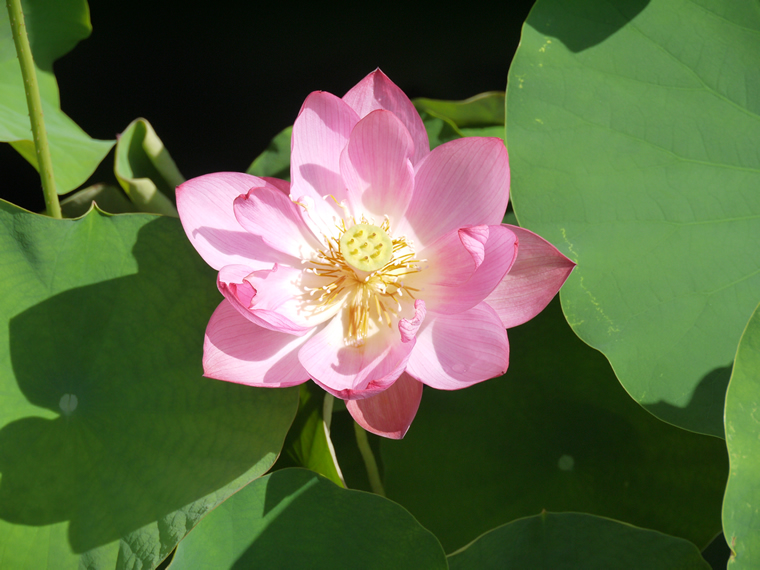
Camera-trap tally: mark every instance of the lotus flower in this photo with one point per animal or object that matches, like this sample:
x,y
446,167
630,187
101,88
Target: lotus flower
x,y
380,267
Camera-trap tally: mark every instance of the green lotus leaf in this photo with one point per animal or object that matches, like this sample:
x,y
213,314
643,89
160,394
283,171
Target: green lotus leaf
x,y
275,160
632,128
145,170
294,518
557,432
308,442
575,541
112,444
740,523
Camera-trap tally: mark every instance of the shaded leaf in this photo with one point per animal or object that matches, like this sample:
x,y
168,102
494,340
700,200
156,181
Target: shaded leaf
x,y
557,432
275,160
575,541
112,444
740,522
294,518
308,444
54,28
482,110
145,170
632,128
108,198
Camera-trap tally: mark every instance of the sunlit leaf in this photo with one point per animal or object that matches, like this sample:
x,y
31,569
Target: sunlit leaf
x,y
633,129
740,521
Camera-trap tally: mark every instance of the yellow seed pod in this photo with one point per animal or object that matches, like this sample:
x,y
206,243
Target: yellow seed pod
x,y
366,247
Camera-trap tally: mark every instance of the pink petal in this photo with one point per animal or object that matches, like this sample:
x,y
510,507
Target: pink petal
x,y
464,182
282,185
271,297
456,351
376,167
270,214
320,134
409,327
390,413
376,91
350,372
237,350
464,267
206,212
538,273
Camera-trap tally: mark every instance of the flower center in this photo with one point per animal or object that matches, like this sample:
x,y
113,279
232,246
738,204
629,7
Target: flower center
x,y
366,247
364,268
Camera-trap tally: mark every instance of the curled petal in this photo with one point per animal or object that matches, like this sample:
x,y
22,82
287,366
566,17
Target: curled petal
x,y
320,134
236,350
269,213
376,91
464,182
409,327
354,372
538,273
464,267
376,167
389,413
205,210
456,351
266,297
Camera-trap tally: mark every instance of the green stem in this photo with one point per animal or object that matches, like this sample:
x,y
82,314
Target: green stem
x,y
327,409
369,460
33,101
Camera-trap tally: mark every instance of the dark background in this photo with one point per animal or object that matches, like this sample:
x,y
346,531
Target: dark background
x,y
217,82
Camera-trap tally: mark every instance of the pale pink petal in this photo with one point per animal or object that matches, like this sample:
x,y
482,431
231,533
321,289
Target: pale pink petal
x,y
237,350
282,303
390,413
282,185
409,327
350,372
538,273
456,351
376,91
464,182
452,283
474,240
266,297
320,134
205,210
270,214
376,167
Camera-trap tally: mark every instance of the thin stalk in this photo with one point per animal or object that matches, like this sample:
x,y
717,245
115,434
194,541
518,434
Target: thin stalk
x,y
369,461
327,410
33,101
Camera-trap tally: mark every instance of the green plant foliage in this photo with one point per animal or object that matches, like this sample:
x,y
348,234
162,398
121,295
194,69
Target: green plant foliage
x,y
108,198
145,170
478,116
294,518
308,443
275,160
483,110
112,444
574,541
54,28
629,126
557,432
740,522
